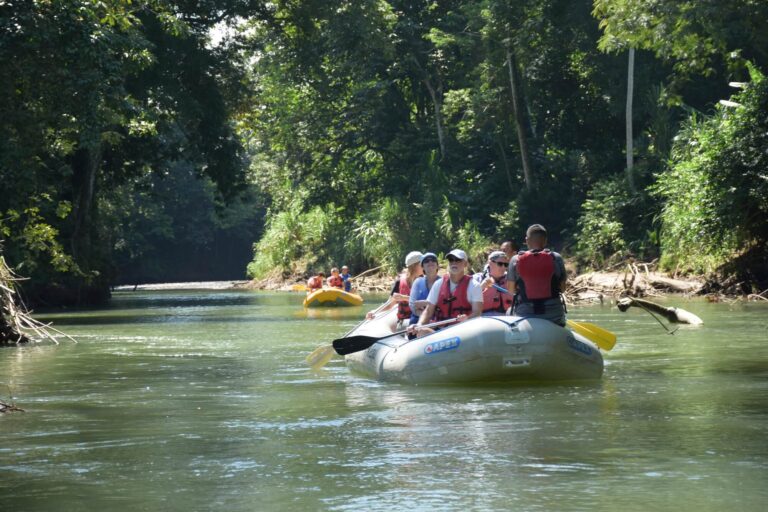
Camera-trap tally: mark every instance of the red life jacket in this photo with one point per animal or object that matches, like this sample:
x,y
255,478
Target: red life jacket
x,y
536,271
336,282
452,305
315,282
495,300
403,309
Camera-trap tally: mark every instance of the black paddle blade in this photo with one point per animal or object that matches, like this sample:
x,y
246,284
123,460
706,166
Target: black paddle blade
x,y
344,346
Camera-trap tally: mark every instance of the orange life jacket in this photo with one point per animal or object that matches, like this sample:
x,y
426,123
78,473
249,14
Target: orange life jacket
x,y
496,300
403,309
336,282
451,305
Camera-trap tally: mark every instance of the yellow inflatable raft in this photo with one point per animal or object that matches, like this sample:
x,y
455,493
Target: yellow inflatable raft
x,y
332,297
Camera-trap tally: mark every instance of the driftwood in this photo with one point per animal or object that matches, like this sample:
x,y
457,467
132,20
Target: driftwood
x,y
5,407
16,323
758,296
676,315
635,279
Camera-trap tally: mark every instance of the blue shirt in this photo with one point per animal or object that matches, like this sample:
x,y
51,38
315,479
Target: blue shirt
x,y
347,284
419,291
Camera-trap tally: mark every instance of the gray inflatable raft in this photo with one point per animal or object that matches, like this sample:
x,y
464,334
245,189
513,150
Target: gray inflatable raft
x,y
486,349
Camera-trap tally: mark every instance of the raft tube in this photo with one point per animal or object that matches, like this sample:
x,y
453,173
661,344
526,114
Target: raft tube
x,y
485,349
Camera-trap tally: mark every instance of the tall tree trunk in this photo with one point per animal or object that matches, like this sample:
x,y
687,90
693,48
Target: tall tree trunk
x,y
505,160
630,94
519,124
86,166
437,104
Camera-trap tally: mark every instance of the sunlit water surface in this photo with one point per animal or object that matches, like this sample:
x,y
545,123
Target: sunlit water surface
x,y
201,400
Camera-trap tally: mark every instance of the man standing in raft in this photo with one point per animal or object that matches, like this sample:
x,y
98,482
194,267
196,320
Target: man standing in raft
x,y
537,276
452,296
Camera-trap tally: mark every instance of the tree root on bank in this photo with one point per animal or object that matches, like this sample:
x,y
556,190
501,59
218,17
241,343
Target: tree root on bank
x,y
16,323
676,315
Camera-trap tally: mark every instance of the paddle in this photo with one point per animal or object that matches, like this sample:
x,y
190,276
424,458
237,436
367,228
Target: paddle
x,y
324,353
344,346
603,338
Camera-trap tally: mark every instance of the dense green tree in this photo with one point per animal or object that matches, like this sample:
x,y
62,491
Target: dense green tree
x,y
697,36
351,131
98,95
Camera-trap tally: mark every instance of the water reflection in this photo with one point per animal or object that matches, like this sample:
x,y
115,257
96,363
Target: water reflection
x,y
195,404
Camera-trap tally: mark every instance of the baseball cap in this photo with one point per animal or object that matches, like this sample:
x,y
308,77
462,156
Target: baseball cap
x,y
458,253
412,257
495,255
428,255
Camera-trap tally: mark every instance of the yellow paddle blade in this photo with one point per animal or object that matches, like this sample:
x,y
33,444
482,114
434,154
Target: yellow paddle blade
x,y
320,356
298,288
603,338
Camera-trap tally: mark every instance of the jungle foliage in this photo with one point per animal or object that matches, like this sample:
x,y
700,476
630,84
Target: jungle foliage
x,y
155,140
400,119
715,193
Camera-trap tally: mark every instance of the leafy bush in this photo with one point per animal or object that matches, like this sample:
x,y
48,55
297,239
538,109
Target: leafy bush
x,y
292,237
381,235
716,190
601,231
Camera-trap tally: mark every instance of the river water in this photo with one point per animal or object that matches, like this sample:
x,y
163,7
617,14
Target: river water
x,y
200,400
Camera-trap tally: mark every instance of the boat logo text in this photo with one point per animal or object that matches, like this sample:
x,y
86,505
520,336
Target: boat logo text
x,y
440,346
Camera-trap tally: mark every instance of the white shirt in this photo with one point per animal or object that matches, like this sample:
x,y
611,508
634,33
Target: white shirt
x,y
474,291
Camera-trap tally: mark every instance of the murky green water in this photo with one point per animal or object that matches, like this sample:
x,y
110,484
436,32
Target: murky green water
x,y
195,400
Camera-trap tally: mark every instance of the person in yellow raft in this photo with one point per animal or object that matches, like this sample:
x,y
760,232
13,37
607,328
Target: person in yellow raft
x,y
315,282
347,278
335,280
401,290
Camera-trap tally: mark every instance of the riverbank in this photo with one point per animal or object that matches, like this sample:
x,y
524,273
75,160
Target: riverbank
x,y
632,279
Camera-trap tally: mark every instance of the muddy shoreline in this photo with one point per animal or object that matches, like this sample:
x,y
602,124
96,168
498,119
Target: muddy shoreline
x,y
635,280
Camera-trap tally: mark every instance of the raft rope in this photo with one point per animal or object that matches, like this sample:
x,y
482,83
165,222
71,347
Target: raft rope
x,y
655,317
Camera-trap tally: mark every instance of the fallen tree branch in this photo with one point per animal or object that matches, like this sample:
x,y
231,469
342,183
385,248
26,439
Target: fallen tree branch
x,y
16,323
676,315
358,276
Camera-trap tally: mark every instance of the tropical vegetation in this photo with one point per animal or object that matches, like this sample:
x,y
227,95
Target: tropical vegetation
x,y
151,140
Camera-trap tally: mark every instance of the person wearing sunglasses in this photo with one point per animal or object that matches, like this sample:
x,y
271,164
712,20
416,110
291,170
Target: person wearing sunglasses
x,y
538,278
495,302
454,295
422,285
